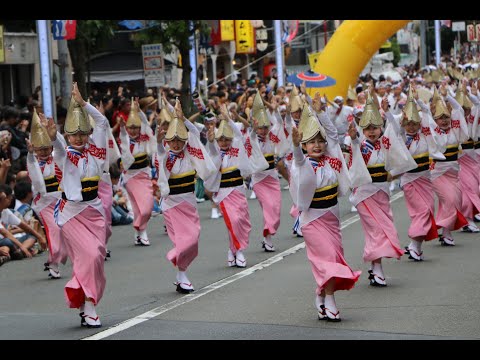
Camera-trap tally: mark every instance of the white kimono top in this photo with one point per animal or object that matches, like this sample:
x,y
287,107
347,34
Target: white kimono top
x,y
193,159
236,157
388,154
137,149
446,141
308,175
76,166
40,172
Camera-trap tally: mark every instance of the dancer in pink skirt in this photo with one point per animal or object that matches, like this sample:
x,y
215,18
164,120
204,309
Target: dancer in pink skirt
x,y
186,157
79,213
227,149
266,185
384,156
292,119
448,129
469,173
105,189
475,134
137,144
416,184
46,177
316,182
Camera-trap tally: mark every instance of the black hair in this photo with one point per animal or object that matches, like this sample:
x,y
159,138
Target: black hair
x,y
11,177
22,100
123,101
10,112
115,171
4,188
22,189
61,112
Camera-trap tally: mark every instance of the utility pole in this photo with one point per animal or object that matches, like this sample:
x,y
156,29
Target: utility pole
x,y
437,42
45,53
279,52
423,44
193,59
65,73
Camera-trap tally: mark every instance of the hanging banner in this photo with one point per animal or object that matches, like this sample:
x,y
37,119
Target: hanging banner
x,y
64,29
2,51
471,36
261,36
227,30
244,37
289,29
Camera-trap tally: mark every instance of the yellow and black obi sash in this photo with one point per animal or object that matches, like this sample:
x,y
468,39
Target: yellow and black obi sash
x,y
51,183
182,183
451,154
423,163
271,161
231,177
477,144
325,197
378,173
89,188
141,161
469,144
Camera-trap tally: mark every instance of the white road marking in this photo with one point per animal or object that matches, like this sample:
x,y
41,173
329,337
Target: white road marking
x,y
212,287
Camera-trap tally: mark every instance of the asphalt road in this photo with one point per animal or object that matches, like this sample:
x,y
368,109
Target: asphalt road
x,y
273,298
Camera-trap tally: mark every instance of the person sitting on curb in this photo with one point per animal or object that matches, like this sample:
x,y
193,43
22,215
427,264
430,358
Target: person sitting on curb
x,y
19,248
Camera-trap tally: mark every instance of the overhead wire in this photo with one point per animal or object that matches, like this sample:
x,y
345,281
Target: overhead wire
x,y
267,54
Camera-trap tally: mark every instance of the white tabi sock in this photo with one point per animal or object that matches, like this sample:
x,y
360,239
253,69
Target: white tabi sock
x,y
378,270
268,240
416,245
447,233
330,303
90,309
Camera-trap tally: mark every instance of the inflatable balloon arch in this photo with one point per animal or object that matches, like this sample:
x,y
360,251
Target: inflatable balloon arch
x,y
350,49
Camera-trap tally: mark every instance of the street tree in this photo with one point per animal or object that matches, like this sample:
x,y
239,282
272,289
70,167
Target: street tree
x,y
176,33
91,36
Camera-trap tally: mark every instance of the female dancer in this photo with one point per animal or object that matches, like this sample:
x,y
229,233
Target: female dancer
x,y
233,165
79,213
266,185
448,129
137,143
416,184
46,177
316,182
383,157
186,157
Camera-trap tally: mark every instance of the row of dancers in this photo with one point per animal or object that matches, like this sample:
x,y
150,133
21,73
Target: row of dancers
x,y
74,192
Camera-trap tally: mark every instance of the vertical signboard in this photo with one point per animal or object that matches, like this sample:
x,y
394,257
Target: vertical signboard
x,y
227,30
244,37
153,65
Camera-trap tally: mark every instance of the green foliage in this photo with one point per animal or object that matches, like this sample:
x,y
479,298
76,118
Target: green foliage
x,y
90,36
95,33
175,33
168,33
395,50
